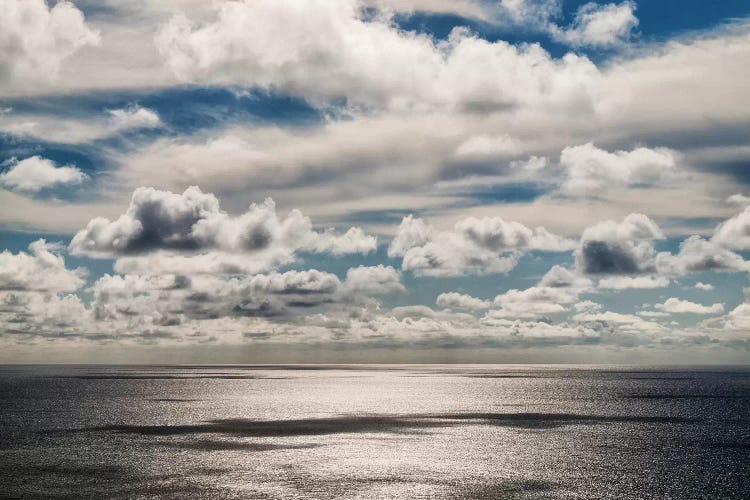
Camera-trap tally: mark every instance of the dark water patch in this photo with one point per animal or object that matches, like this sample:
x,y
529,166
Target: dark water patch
x,y
509,489
378,424
283,428
176,400
219,445
688,396
554,420
69,481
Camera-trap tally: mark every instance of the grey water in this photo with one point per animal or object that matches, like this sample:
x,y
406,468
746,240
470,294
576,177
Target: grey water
x,y
420,431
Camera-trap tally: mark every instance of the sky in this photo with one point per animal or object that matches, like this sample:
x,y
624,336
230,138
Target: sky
x,y
251,181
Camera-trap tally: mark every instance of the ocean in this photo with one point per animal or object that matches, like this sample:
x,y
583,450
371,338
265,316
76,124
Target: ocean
x,y
392,431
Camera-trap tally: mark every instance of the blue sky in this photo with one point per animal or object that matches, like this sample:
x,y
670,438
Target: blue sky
x,y
502,175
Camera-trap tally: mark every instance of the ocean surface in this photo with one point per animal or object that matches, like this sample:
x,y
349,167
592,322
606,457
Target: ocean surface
x,y
424,431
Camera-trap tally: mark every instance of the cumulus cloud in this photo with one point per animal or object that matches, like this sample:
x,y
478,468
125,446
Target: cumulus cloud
x,y
624,322
678,306
737,320
591,171
453,300
42,270
698,254
597,25
178,298
324,51
532,302
560,277
704,286
192,224
374,280
35,39
36,173
134,117
739,199
735,232
619,248
474,246
629,282
555,292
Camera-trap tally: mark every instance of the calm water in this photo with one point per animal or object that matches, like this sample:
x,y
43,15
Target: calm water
x,y
374,432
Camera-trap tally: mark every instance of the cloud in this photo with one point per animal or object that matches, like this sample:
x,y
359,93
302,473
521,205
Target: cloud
x,y
474,246
739,199
624,322
35,40
192,224
587,306
558,288
41,270
677,306
560,277
630,282
704,286
374,280
204,297
592,171
453,300
485,146
324,51
533,302
172,300
619,248
597,25
734,233
36,173
737,320
133,118
698,254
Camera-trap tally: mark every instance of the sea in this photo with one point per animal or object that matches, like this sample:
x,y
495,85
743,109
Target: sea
x,y
383,431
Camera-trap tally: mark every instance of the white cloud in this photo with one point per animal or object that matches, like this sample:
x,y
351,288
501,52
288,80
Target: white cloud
x,y
677,306
739,199
486,146
697,254
36,173
324,51
592,171
40,270
534,164
652,314
453,300
559,277
629,282
35,40
474,246
704,286
619,248
133,118
192,224
599,25
625,322
735,232
587,306
373,280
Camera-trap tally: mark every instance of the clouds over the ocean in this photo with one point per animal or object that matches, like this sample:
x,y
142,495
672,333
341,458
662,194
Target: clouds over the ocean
x,y
190,231
519,173
474,246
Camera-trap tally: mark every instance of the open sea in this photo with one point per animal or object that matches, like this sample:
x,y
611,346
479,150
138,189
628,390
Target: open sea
x,y
393,431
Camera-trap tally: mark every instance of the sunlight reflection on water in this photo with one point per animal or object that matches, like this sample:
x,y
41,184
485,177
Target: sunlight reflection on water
x,y
374,432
